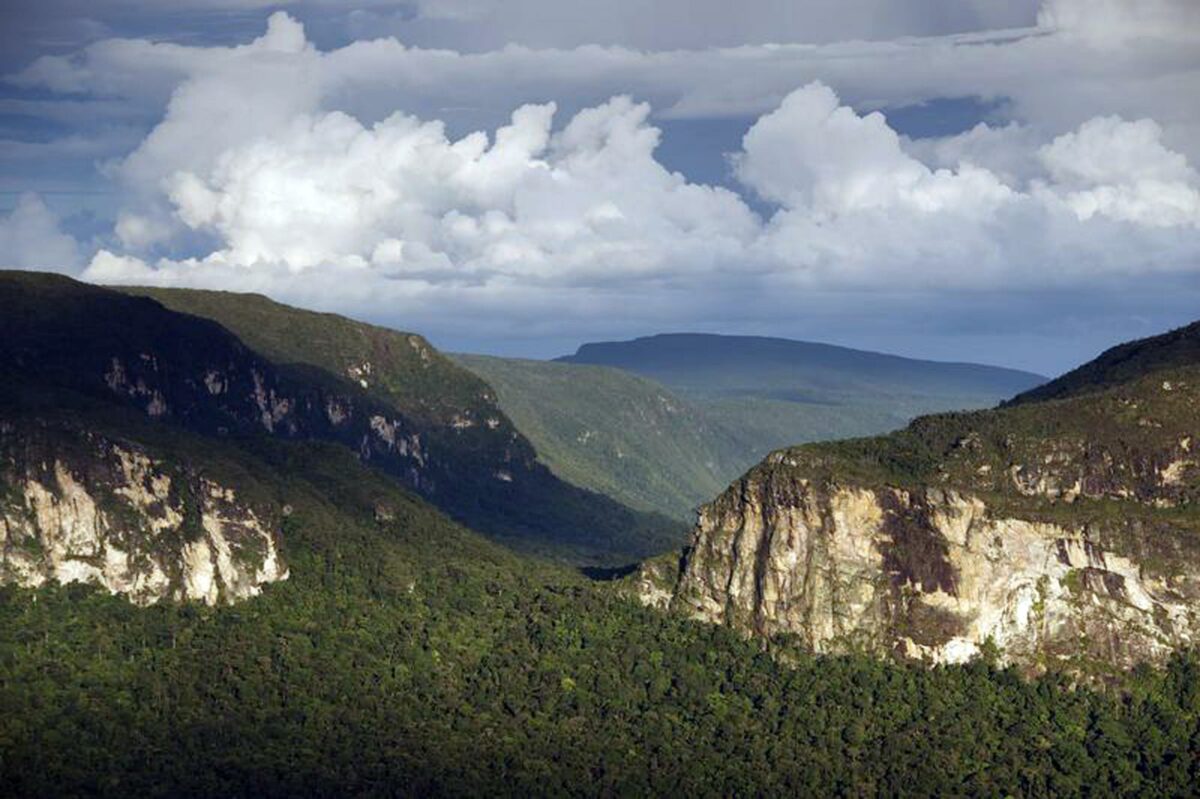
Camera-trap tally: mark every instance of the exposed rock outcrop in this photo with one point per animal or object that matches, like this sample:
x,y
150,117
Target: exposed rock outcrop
x,y
932,574
240,368
1054,534
113,516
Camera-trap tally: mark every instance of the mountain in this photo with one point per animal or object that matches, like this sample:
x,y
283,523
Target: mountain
x,y
292,618
1177,348
667,421
389,397
1060,532
405,655
771,392
616,433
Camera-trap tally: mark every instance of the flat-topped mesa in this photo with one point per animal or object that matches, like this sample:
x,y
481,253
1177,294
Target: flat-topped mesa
x,y
110,515
1060,532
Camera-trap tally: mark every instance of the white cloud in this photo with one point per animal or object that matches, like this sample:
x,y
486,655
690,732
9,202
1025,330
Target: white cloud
x,y
277,167
816,154
1110,21
232,96
673,24
1120,169
30,238
588,204
400,206
1055,77
857,209
1009,152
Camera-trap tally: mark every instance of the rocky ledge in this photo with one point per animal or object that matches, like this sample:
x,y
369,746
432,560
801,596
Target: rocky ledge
x,y
1052,535
111,515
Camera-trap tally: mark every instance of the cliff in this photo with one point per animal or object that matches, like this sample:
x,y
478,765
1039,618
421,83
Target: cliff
x,y
80,507
1061,532
389,397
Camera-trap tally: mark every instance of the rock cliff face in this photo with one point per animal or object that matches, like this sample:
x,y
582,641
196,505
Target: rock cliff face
x,y
103,513
193,373
401,407
930,574
1060,532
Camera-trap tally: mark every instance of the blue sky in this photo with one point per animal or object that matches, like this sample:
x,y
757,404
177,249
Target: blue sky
x,y
1007,182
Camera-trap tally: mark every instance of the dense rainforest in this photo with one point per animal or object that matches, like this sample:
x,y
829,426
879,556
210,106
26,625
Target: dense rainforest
x,y
406,656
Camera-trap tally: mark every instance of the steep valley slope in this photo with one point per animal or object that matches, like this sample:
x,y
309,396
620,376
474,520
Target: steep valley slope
x,y
388,397
1056,532
209,591
616,432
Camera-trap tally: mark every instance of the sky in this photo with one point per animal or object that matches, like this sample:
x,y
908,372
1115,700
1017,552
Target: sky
x,y
1003,181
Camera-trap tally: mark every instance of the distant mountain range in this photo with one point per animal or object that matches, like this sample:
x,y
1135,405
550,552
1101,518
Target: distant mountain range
x,y
801,372
657,422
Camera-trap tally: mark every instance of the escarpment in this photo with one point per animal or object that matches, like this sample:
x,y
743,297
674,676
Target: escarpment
x,y
193,373
1061,532
80,507
301,377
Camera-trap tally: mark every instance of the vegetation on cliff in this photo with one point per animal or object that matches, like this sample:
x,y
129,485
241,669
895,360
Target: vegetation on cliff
x,y
407,656
387,396
1066,529
615,432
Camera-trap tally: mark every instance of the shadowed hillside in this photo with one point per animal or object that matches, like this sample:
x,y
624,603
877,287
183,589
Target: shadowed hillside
x,y
616,432
390,398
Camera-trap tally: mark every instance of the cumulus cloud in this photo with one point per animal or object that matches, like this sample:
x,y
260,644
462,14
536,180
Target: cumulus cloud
x,y
331,179
30,238
403,207
815,154
588,203
1119,169
1008,151
1142,76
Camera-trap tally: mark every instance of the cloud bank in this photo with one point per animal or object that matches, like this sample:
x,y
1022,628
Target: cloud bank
x,y
328,177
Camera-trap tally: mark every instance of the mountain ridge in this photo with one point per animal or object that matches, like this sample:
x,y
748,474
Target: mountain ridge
x,y
607,352
184,369
1122,362
767,393
1063,532
406,654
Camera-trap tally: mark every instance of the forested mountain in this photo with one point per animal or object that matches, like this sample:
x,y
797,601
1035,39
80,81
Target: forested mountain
x,y
1134,359
387,396
770,393
663,423
615,432
405,656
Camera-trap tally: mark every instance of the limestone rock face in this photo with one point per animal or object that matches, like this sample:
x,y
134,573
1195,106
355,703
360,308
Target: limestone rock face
x,y
115,517
926,573
1062,533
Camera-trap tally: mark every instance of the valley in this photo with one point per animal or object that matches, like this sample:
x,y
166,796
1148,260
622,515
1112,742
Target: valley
x,y
663,423
466,398
251,535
